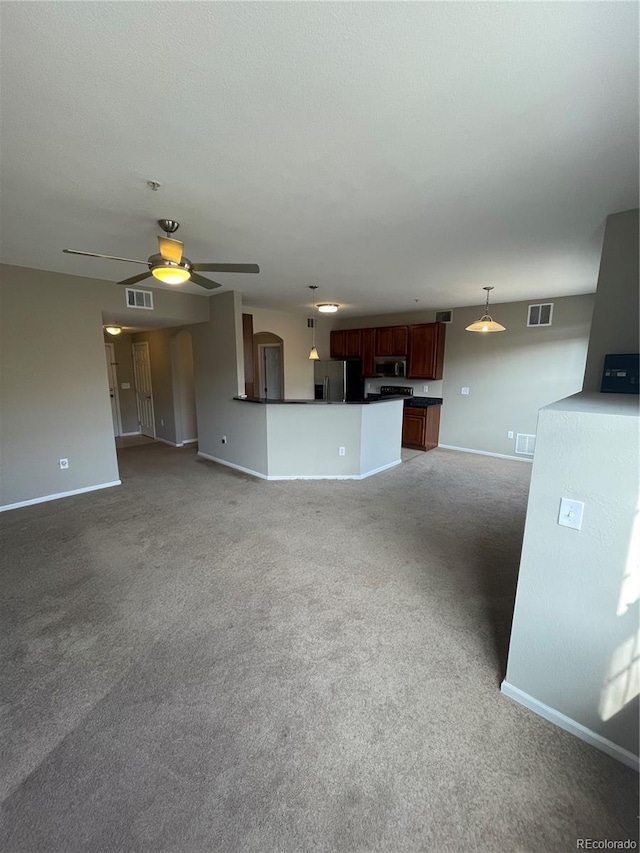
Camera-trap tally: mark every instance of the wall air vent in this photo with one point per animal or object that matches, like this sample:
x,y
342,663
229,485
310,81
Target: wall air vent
x,y
525,444
444,316
310,323
540,315
139,298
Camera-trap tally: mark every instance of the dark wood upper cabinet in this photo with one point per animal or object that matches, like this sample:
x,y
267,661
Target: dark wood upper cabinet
x,y
426,351
368,351
338,346
353,342
392,341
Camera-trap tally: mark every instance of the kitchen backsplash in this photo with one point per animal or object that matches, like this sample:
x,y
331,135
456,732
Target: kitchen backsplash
x,y
435,386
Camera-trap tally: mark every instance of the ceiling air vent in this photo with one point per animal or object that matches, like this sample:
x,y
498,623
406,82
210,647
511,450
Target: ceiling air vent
x,y
139,298
525,444
444,316
540,315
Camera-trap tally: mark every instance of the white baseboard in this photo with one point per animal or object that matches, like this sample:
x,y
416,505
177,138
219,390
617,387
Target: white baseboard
x,y
232,465
486,453
571,726
274,477
125,434
190,440
59,495
166,441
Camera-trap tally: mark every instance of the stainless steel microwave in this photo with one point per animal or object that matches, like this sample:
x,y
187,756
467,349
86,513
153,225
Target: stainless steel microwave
x,y
390,367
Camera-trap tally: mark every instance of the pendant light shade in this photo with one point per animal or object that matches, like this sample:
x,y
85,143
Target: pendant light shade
x,y
113,330
486,323
313,354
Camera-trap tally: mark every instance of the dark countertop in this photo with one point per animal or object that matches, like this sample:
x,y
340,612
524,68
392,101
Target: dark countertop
x,y
319,402
413,402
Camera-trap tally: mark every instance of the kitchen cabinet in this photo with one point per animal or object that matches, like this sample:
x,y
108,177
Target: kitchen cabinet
x,y
392,340
338,344
426,351
352,342
368,351
348,343
421,427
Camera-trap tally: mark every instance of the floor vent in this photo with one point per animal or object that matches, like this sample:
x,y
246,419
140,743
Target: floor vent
x,y
139,298
444,316
540,315
525,444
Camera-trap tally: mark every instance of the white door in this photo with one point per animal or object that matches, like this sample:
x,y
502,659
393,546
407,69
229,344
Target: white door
x,y
271,372
144,393
113,387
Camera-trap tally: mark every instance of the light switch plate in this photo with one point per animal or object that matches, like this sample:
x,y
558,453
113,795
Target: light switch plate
x,y
464,390
125,386
570,514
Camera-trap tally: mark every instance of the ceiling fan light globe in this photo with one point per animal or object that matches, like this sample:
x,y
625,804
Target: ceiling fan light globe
x,y
170,274
113,330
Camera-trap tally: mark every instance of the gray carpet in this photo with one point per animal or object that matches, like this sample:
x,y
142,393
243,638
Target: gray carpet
x,y
199,661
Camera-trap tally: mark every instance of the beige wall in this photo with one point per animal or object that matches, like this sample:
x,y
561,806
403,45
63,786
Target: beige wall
x,y
292,328
510,375
184,386
161,381
615,320
54,397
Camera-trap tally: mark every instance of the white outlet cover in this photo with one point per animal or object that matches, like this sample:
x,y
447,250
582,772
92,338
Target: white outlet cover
x,y
510,434
342,451
425,387
570,514
464,391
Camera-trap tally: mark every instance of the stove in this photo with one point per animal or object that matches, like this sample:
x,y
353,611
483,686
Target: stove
x,y
396,391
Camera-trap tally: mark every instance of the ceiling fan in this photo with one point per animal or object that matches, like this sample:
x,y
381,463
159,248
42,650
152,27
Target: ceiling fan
x,y
170,266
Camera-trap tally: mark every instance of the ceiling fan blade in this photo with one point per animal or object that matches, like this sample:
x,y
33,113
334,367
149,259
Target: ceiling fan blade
x,y
170,249
204,282
108,257
135,278
226,267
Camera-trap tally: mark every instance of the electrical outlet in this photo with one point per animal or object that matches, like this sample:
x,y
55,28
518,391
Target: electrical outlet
x,y
64,464
342,451
510,434
425,387
224,439
464,391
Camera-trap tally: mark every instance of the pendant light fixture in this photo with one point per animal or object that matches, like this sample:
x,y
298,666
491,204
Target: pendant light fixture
x,y
113,330
486,323
313,354
328,307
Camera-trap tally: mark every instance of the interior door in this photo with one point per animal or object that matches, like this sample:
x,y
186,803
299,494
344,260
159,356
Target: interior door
x,y
113,387
272,371
144,391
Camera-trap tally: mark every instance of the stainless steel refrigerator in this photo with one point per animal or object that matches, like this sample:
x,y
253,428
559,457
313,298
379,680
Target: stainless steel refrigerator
x,y
338,380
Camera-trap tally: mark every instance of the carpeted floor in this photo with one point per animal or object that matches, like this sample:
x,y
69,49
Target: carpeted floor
x,y
197,661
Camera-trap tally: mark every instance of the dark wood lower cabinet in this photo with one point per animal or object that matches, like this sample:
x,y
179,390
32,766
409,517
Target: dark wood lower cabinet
x,y
421,427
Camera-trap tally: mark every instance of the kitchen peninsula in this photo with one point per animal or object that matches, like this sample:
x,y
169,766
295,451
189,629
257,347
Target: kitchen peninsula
x,y
317,439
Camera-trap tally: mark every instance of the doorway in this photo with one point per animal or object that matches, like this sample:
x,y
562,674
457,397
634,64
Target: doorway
x,y
144,391
109,351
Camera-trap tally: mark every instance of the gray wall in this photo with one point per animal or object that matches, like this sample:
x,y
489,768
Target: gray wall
x,y
219,376
511,374
575,626
576,616
615,320
54,399
184,386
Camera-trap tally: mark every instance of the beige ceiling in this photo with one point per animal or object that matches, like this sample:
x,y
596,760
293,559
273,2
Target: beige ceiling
x,y
388,152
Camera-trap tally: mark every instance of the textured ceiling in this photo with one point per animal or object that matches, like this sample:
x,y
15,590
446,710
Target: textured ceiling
x,y
388,152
